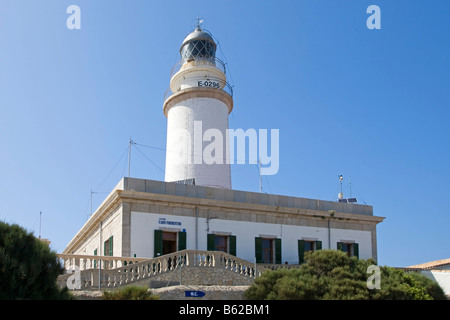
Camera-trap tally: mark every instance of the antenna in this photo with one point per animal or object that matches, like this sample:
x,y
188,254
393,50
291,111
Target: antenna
x,y
260,181
350,185
340,195
92,192
199,22
129,155
40,215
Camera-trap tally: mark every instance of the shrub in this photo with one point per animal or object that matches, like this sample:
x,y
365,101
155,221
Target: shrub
x,y
130,293
332,275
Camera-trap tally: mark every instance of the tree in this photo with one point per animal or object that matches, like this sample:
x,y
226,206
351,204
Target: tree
x,y
28,268
333,275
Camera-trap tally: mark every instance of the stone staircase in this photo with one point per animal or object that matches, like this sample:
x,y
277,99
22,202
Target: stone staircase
x,y
187,267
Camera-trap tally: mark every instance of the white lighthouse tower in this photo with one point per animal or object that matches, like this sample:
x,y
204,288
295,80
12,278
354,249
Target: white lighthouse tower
x,y
197,115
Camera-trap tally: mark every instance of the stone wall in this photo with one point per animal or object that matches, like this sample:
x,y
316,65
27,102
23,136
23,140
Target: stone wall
x,y
179,293
194,275
211,292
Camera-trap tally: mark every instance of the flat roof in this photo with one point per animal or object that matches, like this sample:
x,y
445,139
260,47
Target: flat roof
x,y
194,191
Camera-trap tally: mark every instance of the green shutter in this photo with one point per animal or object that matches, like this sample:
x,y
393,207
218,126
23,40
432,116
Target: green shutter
x,y
111,246
232,245
95,261
210,242
318,245
181,240
258,250
301,251
340,246
105,248
158,243
278,251
356,250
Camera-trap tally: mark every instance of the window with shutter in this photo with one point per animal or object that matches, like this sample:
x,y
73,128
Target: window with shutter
x,y
356,250
305,246
258,250
111,246
351,248
232,245
278,251
210,242
301,251
95,261
181,240
318,245
158,243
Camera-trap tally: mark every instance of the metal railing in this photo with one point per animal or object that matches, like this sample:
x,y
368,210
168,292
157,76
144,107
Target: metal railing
x,y
225,87
219,64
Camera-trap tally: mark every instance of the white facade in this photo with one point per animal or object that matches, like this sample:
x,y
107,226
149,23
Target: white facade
x,y
144,224
133,218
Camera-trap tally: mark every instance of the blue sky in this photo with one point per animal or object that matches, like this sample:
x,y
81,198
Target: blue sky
x,y
372,105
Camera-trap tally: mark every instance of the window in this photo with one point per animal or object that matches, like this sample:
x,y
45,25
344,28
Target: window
x,y
305,246
202,49
224,243
108,247
221,243
268,250
95,261
351,248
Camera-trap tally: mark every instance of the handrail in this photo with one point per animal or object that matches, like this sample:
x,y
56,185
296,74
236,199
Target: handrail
x,y
217,62
138,270
226,87
85,262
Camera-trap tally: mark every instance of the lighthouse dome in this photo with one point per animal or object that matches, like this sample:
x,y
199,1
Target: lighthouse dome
x,y
198,45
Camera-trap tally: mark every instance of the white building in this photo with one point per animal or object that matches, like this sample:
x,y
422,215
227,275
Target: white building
x,y
146,219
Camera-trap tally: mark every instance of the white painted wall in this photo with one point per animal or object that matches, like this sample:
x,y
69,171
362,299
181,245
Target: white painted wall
x,y
144,224
441,277
185,158
111,226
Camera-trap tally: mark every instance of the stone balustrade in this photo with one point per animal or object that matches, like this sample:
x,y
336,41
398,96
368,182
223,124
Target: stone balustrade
x,y
85,262
118,271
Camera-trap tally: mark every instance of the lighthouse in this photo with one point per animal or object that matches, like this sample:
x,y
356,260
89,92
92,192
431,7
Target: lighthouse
x,y
197,109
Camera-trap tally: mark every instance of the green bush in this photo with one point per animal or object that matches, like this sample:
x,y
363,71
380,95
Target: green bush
x,y
28,268
130,293
333,275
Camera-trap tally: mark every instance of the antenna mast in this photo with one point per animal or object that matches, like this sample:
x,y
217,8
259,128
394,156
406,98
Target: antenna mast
x,y
260,181
129,156
40,215
340,195
350,185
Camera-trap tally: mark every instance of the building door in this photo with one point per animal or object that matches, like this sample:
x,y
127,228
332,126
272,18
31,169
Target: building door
x,y
166,242
169,242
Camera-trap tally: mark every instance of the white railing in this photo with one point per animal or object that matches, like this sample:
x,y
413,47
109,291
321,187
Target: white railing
x,y
118,271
